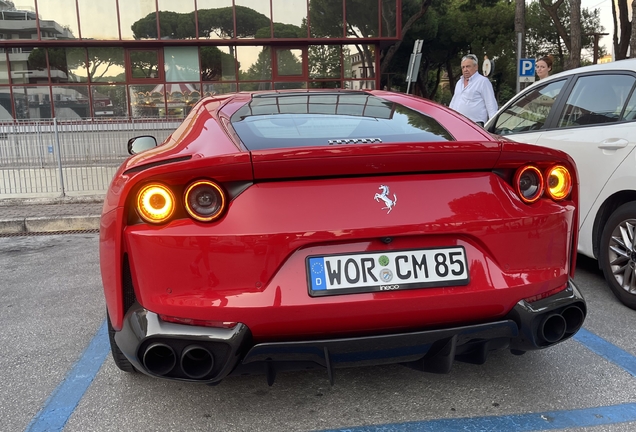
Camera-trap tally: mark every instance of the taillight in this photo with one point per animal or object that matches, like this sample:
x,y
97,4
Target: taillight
x,y
528,182
155,203
559,182
204,200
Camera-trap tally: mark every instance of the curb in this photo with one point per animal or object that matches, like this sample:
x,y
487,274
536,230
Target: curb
x,y
49,224
80,199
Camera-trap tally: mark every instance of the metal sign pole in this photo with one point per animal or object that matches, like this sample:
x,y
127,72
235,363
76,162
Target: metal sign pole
x,y
414,64
519,35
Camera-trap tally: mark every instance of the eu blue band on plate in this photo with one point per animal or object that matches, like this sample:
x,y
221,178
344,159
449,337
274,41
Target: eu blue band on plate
x,y
318,278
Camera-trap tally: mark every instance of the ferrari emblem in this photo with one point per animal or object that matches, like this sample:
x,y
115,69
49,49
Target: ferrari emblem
x,y
384,196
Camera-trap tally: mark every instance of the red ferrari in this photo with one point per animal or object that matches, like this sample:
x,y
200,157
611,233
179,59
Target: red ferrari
x,y
297,229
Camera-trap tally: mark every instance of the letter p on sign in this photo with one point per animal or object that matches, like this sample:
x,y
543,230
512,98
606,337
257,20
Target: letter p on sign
x,y
526,70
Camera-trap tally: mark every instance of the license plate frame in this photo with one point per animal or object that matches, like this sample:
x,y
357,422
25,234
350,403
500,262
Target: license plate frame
x,y
331,274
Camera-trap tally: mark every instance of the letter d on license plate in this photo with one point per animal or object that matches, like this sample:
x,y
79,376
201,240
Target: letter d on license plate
x,y
386,271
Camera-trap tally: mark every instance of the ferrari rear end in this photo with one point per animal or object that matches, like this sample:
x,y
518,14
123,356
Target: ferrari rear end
x,y
282,230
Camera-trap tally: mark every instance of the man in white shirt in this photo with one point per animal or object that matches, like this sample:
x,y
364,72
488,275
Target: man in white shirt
x,y
474,96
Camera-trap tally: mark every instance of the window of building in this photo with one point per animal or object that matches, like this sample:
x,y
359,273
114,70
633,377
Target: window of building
x,y
215,19
109,101
181,64
253,19
98,19
359,58
218,63
289,62
324,61
20,22
255,62
362,19
106,64
147,100
325,19
211,89
138,19
32,102
68,65
176,19
290,18
71,102
28,65
180,98
4,71
6,111
58,19
145,65
389,18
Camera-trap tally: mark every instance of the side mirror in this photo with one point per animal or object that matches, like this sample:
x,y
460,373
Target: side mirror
x,y
141,143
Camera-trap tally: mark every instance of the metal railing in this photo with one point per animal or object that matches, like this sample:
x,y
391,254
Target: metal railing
x,y
52,158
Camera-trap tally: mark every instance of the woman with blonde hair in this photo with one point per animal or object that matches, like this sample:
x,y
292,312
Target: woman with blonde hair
x,y
543,67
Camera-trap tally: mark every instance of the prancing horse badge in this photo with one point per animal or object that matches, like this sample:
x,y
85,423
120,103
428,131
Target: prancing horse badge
x,y
384,196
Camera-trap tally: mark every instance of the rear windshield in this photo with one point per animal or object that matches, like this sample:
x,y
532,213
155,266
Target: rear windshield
x,y
296,120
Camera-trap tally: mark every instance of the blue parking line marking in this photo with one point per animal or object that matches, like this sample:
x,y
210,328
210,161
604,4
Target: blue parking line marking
x,y
550,420
587,417
607,350
64,399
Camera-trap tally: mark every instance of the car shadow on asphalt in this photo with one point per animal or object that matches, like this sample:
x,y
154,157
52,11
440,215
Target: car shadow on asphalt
x,y
588,264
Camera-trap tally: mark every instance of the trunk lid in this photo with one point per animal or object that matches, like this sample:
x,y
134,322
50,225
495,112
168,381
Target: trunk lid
x,y
356,160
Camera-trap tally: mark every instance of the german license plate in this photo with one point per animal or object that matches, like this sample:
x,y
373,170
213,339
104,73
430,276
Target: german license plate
x,y
386,271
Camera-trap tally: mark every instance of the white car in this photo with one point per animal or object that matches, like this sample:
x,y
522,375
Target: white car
x,y
590,113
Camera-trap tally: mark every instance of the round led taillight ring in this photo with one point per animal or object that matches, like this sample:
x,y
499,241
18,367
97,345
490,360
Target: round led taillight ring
x,y
155,203
528,183
204,200
558,182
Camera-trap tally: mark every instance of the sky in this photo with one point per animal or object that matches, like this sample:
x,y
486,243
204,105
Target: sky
x,y
605,7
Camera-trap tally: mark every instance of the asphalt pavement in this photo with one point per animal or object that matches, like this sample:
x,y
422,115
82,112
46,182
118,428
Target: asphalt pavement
x,y
46,215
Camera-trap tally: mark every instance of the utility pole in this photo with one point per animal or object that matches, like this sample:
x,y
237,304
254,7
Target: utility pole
x,y
597,37
520,30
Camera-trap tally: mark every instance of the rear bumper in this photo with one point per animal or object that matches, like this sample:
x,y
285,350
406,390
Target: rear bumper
x,y
146,340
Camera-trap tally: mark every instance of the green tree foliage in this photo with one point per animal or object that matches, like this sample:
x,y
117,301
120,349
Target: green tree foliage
x,y
67,60
219,22
174,25
249,22
324,61
288,64
326,18
452,28
259,70
362,21
542,37
216,65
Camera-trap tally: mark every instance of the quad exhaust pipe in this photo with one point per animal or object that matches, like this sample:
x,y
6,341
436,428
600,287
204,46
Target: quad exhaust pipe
x,y
556,326
196,362
159,359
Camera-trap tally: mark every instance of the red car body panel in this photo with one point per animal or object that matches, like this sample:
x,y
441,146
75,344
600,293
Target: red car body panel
x,y
269,294
288,204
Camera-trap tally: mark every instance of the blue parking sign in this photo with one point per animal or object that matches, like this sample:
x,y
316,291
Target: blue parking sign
x,y
526,70
526,67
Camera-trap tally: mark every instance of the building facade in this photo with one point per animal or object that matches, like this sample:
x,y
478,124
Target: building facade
x,y
157,58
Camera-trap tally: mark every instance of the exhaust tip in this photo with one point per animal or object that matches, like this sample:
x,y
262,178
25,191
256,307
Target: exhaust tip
x,y
196,361
552,328
574,317
159,359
